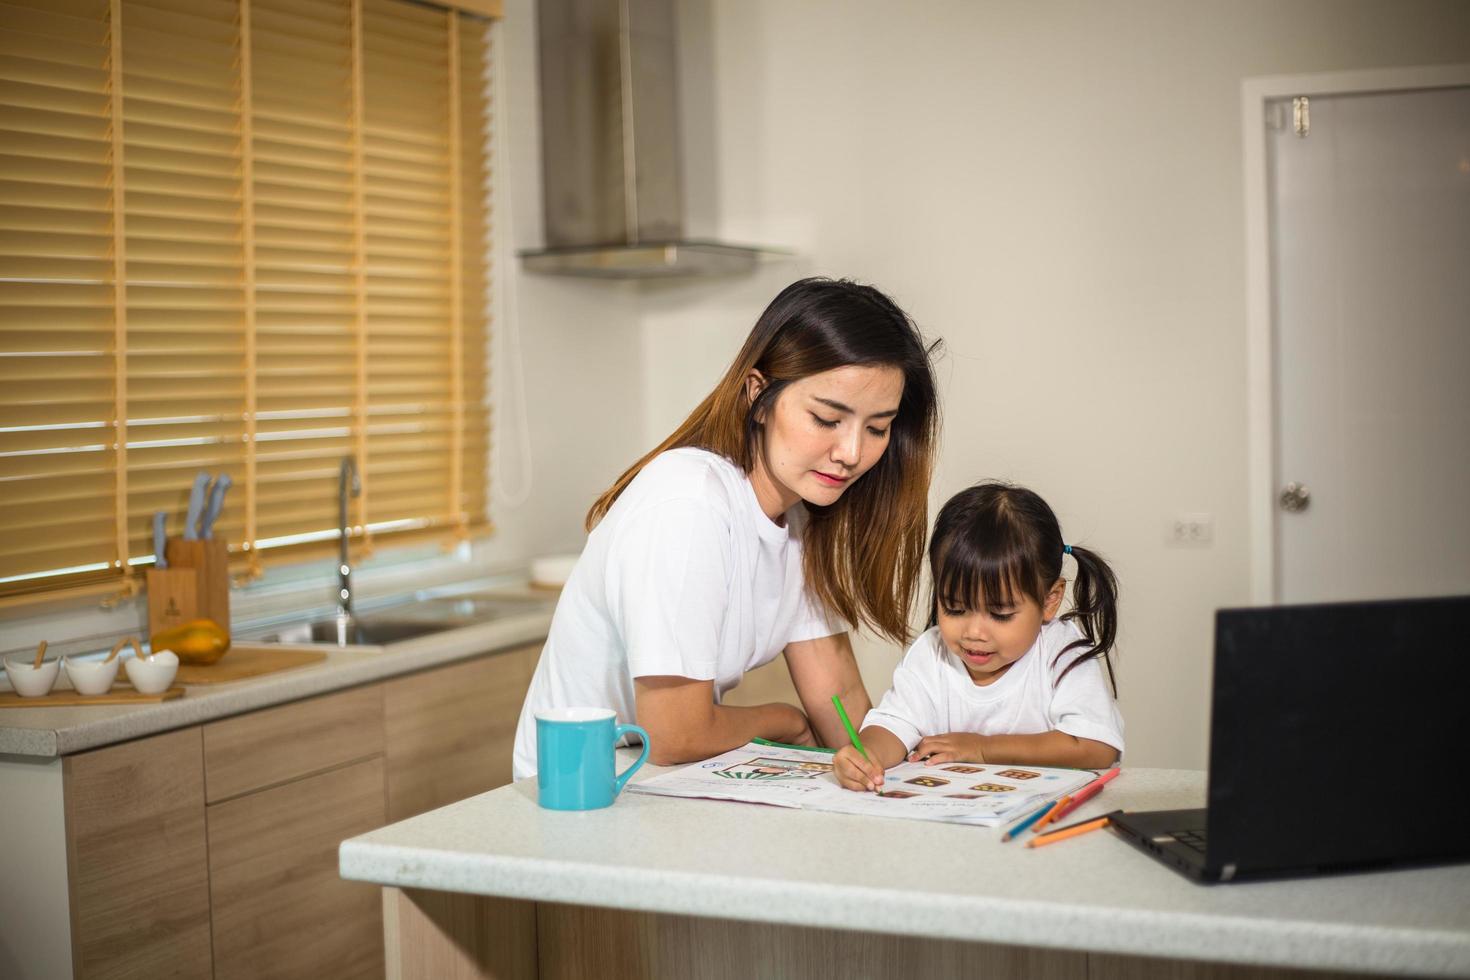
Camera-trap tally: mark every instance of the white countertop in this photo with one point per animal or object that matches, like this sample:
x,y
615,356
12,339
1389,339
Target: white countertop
x,y
55,731
765,864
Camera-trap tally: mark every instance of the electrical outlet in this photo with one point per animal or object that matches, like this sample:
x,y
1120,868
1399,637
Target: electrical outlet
x,y
1191,531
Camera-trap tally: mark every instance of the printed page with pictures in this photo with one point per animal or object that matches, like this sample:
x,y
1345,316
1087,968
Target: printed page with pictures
x,y
985,795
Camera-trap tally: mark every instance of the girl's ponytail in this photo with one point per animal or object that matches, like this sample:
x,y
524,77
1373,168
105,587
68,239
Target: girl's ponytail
x,y
1094,610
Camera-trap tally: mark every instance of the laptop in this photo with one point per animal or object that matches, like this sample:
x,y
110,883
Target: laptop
x,y
1337,738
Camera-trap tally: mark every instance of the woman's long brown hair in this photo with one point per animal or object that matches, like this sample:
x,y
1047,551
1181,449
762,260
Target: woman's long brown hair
x,y
862,555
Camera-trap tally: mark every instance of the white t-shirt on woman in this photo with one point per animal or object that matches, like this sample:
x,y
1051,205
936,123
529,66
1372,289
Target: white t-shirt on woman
x,y
685,576
933,694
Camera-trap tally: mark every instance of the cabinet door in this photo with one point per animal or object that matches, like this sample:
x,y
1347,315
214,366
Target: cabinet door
x,y
276,745
279,907
450,731
136,857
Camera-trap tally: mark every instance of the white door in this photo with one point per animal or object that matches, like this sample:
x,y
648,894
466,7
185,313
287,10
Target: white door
x,y
1370,228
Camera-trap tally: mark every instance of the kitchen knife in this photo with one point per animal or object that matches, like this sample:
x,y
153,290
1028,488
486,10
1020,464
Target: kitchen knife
x,y
196,505
216,504
160,538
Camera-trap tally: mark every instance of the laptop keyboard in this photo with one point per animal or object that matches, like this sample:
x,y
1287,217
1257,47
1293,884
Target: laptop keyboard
x,y
1191,838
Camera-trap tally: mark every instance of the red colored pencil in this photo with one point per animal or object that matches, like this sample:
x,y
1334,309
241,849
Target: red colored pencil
x,y
1086,793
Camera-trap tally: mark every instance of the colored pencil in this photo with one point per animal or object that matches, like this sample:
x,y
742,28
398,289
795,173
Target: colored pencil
x,y
857,743
1051,814
1057,830
1085,826
1016,828
1089,791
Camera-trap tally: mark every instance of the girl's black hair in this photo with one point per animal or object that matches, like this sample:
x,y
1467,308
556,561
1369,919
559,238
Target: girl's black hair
x,y
994,539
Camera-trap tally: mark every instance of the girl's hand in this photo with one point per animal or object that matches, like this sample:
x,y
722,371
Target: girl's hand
x,y
953,747
856,773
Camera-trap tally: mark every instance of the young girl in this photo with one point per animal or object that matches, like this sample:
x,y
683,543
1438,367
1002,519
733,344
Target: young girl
x,y
999,677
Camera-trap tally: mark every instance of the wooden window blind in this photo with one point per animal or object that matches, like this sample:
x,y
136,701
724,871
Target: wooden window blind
x,y
245,236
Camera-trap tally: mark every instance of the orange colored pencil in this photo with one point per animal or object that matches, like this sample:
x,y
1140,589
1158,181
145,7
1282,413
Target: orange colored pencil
x,y
1057,835
1051,814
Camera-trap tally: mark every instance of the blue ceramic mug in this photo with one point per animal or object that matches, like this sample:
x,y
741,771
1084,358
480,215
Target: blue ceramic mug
x,y
574,757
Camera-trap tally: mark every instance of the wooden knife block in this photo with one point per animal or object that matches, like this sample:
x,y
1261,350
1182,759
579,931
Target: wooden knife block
x,y
196,585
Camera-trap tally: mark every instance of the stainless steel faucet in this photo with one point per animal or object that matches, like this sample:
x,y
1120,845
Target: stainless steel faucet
x,y
348,483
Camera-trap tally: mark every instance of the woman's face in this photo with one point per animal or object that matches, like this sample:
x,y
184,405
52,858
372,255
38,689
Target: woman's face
x,y
823,432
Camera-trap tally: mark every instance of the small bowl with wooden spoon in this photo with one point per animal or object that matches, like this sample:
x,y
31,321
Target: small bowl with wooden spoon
x,y
32,678
94,677
152,674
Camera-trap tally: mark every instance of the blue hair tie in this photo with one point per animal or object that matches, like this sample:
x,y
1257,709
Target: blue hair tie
x,y
1066,549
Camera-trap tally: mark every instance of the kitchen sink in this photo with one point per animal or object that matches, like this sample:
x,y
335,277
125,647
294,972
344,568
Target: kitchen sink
x,y
408,619
349,631
474,607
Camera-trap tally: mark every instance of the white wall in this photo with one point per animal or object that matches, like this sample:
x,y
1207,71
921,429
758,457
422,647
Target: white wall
x,y
35,910
1056,190
580,341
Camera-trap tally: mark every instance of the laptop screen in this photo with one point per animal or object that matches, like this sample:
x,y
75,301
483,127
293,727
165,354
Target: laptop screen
x,y
1338,734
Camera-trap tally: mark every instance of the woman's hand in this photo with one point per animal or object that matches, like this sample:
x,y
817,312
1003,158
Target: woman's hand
x,y
856,773
953,747
795,728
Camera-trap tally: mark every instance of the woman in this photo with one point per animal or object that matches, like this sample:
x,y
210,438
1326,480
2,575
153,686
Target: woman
x,y
791,502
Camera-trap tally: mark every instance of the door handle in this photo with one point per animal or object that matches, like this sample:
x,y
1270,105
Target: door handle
x,y
1295,498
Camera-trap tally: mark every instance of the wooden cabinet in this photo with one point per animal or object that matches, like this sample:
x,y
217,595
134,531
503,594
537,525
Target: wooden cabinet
x,y
276,745
277,904
285,786
136,854
212,851
450,732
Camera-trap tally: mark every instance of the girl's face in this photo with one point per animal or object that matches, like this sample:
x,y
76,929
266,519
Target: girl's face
x,y
823,432
988,638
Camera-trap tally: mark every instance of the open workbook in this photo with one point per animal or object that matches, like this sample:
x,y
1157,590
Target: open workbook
x,y
982,794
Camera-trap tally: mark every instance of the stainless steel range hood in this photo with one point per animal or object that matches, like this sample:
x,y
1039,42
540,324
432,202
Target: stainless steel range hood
x,y
611,172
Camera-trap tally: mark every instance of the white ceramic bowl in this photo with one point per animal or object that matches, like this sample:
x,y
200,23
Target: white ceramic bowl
x,y
552,571
152,675
30,681
91,676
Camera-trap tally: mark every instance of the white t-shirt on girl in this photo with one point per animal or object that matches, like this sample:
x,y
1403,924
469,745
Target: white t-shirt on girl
x,y
684,576
933,694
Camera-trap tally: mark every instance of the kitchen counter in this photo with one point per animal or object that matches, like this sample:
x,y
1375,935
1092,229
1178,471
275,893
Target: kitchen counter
x,y
165,837
58,731
926,881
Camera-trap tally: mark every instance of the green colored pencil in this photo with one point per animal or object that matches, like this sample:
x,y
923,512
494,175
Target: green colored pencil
x,y
857,743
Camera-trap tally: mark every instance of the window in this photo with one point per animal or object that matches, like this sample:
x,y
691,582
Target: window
x,y
244,236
